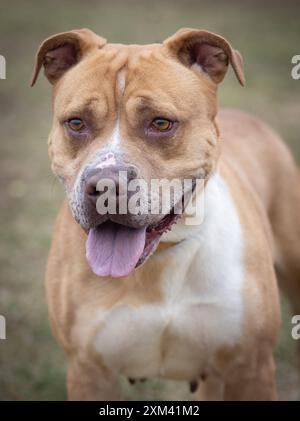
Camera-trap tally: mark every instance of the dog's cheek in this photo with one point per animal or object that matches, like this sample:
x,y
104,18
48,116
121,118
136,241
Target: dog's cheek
x,y
77,204
59,155
203,153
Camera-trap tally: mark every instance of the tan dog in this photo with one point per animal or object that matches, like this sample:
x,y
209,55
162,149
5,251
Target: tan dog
x,y
204,307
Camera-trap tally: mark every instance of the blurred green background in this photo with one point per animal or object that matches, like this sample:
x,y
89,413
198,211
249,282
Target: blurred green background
x,y
268,35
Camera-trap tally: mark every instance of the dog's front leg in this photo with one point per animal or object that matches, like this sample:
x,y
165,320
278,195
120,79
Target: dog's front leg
x,y
254,381
88,381
210,389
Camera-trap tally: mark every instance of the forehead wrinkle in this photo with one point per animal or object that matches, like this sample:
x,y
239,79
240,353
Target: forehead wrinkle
x,y
90,104
116,69
155,101
121,81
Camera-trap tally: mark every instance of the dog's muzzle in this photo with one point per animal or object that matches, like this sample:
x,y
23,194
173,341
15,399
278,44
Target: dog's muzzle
x,y
120,237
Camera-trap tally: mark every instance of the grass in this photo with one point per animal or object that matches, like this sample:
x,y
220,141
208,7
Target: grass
x,y
31,365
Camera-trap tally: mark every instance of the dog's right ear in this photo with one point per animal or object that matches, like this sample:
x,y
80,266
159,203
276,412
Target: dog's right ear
x,y
62,51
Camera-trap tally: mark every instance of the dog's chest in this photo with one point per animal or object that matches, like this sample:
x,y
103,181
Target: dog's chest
x,y
199,313
173,339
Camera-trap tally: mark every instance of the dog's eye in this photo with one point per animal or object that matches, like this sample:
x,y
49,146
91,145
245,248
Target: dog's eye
x,y
75,124
161,124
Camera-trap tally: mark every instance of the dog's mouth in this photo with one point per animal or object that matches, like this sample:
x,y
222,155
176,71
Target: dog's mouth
x,y
115,250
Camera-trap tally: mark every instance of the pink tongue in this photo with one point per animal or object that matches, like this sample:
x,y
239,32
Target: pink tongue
x,y
114,250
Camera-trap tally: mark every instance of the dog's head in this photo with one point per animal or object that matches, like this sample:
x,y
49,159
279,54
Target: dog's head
x,y
125,115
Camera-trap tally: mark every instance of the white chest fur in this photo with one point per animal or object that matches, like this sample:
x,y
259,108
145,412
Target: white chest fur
x,y
202,305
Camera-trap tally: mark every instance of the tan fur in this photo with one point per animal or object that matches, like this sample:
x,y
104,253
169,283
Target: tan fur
x,y
262,180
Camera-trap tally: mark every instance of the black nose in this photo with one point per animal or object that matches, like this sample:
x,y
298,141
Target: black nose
x,y
111,173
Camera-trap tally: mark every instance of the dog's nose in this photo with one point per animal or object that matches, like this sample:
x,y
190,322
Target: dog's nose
x,y
119,176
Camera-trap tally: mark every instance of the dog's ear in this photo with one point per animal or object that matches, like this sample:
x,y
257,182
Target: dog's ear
x,y
62,51
209,51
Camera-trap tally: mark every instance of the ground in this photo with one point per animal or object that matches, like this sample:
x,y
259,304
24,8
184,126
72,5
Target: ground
x,y
31,365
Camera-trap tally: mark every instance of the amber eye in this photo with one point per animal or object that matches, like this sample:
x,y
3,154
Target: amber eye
x,y
161,124
76,124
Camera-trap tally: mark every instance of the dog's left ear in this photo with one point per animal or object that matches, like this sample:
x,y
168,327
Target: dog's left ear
x,y
211,52
60,52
